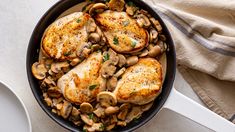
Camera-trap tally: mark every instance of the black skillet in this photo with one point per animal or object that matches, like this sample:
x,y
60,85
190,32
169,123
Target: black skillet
x,y
32,56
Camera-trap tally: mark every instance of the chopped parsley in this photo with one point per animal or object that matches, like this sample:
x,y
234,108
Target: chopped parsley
x,y
115,40
102,127
78,20
106,57
67,53
91,116
126,23
133,44
91,87
130,3
84,130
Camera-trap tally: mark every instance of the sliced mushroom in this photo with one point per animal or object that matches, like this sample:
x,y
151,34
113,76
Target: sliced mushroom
x,y
111,110
155,51
54,92
162,45
94,38
75,61
48,101
132,60
153,35
103,41
121,123
87,119
116,5
144,53
99,112
86,52
74,116
162,37
147,106
120,72
86,108
87,7
110,127
97,8
95,47
108,69
156,24
95,127
112,83
122,60
66,109
143,21
131,8
39,70
106,99
48,82
113,119
124,108
135,113
57,66
113,56
98,31
91,26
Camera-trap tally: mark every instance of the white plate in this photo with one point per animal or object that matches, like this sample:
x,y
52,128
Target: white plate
x,y
13,114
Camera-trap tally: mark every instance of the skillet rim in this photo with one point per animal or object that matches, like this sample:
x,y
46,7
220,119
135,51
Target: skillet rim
x,y
49,17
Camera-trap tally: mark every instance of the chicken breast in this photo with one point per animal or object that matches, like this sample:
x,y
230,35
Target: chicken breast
x,y
141,83
83,82
122,32
67,34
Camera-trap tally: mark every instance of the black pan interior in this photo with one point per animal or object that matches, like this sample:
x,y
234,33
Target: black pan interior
x,y
32,56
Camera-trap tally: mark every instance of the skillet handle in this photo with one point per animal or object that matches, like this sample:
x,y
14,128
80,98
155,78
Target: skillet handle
x,y
188,108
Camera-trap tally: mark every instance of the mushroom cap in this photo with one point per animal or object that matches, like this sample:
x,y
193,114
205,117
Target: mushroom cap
x,y
107,99
86,107
39,70
97,6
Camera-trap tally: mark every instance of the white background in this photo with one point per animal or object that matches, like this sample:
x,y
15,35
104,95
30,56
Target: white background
x,y
17,21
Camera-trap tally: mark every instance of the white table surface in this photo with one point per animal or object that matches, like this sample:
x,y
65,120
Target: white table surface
x,y
18,19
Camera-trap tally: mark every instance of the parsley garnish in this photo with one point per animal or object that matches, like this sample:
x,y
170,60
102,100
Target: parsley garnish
x,y
91,87
126,23
130,3
106,57
102,127
91,116
78,20
115,40
133,44
67,53
84,130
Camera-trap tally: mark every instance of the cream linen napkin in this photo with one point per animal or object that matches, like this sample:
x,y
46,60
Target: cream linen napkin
x,y
204,36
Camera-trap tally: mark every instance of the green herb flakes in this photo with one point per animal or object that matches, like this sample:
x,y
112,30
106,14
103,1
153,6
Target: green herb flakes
x,y
102,127
130,3
126,23
91,116
67,53
115,40
91,87
133,44
84,130
78,20
106,57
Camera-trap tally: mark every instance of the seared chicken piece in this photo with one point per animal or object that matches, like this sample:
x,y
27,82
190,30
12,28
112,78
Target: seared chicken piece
x,y
66,35
122,32
141,83
83,82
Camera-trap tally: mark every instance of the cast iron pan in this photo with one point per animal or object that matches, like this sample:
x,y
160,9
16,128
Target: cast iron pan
x,y
32,56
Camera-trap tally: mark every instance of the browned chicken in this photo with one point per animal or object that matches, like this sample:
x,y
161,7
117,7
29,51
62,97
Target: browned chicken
x,y
122,32
141,83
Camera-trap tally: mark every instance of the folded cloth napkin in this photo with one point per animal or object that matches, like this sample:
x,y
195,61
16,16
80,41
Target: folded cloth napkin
x,y
204,36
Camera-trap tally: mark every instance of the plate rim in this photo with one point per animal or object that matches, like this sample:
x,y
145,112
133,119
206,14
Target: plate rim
x,y
21,102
